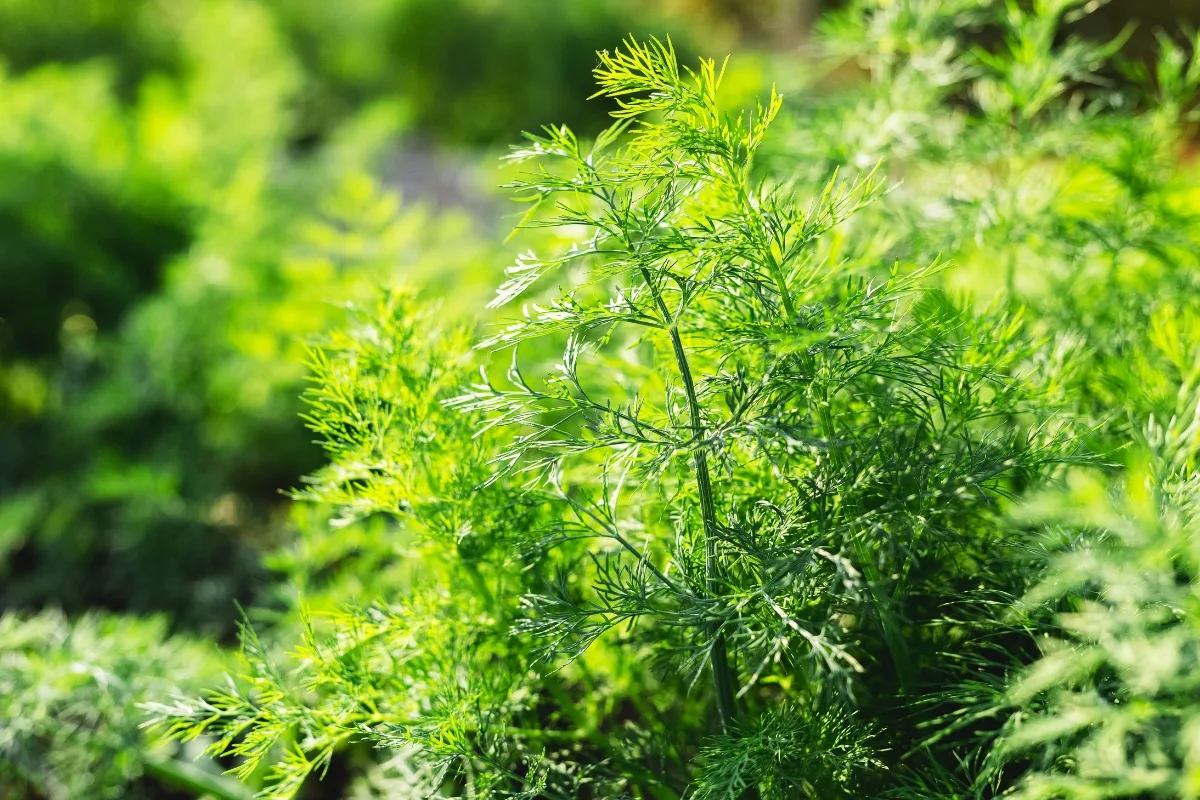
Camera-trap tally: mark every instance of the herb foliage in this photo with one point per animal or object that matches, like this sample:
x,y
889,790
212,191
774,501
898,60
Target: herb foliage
x,y
715,536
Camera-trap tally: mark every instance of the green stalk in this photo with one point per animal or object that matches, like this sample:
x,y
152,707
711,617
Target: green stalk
x,y
776,270
193,779
724,680
770,253
723,677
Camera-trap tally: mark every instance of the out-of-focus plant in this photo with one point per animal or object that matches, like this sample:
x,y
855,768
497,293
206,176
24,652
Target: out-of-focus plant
x,y
159,276
70,725
98,197
1111,709
98,194
140,470
465,71
180,432
1057,188
1026,165
524,60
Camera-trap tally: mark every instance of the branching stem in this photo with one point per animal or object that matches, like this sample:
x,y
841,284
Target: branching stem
x,y
723,678
193,779
785,296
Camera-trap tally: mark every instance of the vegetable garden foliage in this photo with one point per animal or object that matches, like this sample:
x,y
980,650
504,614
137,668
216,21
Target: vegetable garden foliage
x,y
797,473
141,464
69,720
118,431
1039,174
706,552
131,527
167,249
1050,182
167,172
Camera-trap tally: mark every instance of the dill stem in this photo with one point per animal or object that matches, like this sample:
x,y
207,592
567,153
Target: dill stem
x,y
193,779
722,675
785,296
481,587
724,681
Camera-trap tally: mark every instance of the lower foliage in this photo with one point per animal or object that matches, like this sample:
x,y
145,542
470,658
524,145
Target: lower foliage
x,y
70,723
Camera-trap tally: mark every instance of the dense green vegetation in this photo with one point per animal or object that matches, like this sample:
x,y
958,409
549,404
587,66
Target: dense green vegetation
x,y
834,444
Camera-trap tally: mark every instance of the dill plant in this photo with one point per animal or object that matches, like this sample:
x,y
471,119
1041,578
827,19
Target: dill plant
x,y
1108,705
699,550
1046,165
1054,172
1111,708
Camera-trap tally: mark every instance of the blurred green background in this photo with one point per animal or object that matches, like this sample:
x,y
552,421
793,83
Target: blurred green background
x,y
192,189
190,192
179,183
